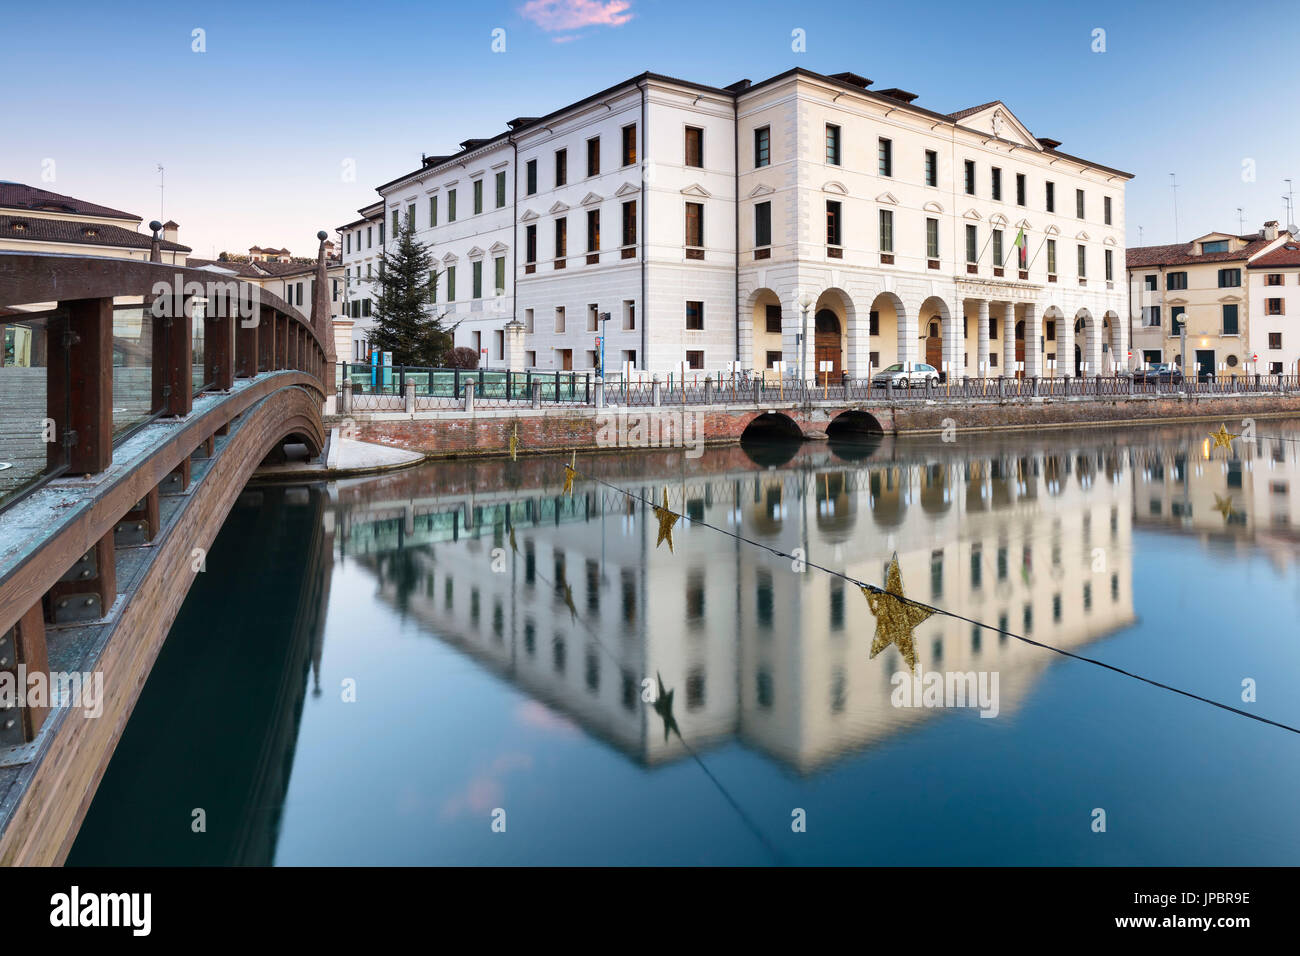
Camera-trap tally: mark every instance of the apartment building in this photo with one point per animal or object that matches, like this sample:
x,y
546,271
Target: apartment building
x,y
1273,294
1204,285
808,220
363,245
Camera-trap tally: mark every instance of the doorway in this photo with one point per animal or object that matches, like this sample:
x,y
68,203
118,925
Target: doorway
x,y
1020,349
934,345
1205,365
826,343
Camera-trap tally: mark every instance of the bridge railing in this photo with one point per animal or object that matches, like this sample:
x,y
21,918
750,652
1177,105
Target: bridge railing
x,y
94,350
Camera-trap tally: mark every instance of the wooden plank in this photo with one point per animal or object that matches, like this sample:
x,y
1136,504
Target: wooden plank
x,y
79,396
219,343
246,348
29,636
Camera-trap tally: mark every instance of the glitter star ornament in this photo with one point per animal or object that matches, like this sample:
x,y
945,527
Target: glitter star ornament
x,y
895,617
1223,506
1221,438
666,521
568,479
514,442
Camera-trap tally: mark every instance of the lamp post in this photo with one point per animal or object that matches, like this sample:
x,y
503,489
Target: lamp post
x,y
805,302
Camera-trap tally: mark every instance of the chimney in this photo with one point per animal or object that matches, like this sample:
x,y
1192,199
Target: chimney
x,y
171,229
1270,229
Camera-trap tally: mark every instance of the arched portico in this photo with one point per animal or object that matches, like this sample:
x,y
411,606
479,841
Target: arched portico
x,y
885,325
766,323
832,323
938,332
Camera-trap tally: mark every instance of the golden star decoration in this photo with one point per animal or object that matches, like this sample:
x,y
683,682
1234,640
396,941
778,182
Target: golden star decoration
x,y
514,546
568,601
1223,506
1222,439
666,521
514,442
895,617
569,474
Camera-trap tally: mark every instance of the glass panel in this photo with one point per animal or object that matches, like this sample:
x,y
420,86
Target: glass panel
x,y
23,409
199,369
132,362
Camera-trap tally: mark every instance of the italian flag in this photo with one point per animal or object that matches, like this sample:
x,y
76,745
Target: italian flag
x,y
1023,246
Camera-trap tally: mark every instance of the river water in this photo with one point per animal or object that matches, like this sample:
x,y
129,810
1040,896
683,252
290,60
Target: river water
x,y
458,664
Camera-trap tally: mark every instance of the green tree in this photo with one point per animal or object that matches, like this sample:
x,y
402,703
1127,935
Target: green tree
x,y
403,323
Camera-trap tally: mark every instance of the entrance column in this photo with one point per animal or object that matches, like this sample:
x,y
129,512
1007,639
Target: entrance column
x,y
908,317
1093,355
954,344
1009,340
1065,347
982,353
1033,347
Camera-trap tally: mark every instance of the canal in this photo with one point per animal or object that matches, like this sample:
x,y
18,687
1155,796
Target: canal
x,y
459,664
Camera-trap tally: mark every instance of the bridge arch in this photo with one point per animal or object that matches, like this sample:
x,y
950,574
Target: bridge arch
x,y
854,423
772,426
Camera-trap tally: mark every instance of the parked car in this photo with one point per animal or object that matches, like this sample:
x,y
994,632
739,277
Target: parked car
x,y
915,377
1161,373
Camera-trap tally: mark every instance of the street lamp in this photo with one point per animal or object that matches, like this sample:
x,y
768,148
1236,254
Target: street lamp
x,y
805,301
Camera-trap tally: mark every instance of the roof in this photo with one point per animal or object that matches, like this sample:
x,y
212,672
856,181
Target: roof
x,y
972,110
1287,254
20,196
264,270
1181,254
30,229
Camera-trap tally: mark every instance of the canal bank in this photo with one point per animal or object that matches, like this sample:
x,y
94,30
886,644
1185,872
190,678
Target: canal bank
x,y
488,431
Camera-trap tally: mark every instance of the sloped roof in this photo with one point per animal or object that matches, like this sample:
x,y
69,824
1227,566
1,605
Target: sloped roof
x,y
20,196
1181,253
31,229
1287,254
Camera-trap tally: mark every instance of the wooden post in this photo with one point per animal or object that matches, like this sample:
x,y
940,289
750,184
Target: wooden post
x,y
79,393
266,341
95,574
30,650
246,348
146,512
219,342
282,343
172,339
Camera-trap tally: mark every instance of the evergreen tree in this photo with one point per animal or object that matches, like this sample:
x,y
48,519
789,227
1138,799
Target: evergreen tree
x,y
403,323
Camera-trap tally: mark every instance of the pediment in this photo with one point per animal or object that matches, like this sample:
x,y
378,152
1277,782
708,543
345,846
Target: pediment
x,y
997,219
887,197
475,253
1230,298
529,215
449,257
695,189
498,246
972,214
1024,224
627,189
1108,241
996,120
1175,301
761,190
1053,231
559,207
1082,235
932,206
590,199
835,187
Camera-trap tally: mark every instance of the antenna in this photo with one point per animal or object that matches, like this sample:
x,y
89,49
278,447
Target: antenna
x,y
1139,235
162,185
1241,220
1173,185
1290,206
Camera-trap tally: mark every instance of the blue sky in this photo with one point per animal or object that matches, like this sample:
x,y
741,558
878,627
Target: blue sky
x,y
254,132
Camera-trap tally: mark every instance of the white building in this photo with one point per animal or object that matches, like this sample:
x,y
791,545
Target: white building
x,y
363,244
1274,294
713,224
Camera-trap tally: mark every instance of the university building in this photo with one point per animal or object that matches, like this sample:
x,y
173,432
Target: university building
x,y
1230,293
696,227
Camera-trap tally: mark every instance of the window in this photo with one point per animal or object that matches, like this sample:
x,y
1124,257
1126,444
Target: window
x,y
1273,278
1082,251
1078,204
932,238
997,247
885,156
763,224
694,225
832,144
478,196
1110,265
1105,209
1020,189
629,223
1051,257
972,244
970,177
410,215
593,230
530,176
451,205
559,318
997,183
695,358
476,279
593,156
931,168
629,315
1218,245
1151,282
347,243
762,146
433,211
629,145
1229,278
451,283
1051,197
561,238
1274,368
886,230
1176,313
1275,340
1230,319
499,277
530,243
593,317
528,327
561,167
772,356
501,189
695,317
1175,280
1151,319
1274,307
772,319
833,237
695,147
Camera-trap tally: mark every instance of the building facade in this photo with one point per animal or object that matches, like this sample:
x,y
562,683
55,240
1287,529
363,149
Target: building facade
x,y
1273,294
704,229
362,246
1203,287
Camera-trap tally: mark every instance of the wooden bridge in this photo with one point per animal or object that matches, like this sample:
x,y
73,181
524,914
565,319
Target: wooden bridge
x,y
147,441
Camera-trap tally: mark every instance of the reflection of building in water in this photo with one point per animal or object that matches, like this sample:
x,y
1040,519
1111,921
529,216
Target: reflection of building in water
x,y
1034,544
1245,493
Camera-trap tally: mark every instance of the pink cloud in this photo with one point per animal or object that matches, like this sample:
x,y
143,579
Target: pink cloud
x,y
530,713
556,15
485,790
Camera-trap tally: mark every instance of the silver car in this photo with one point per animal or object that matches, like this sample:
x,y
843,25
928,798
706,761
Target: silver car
x,y
917,376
